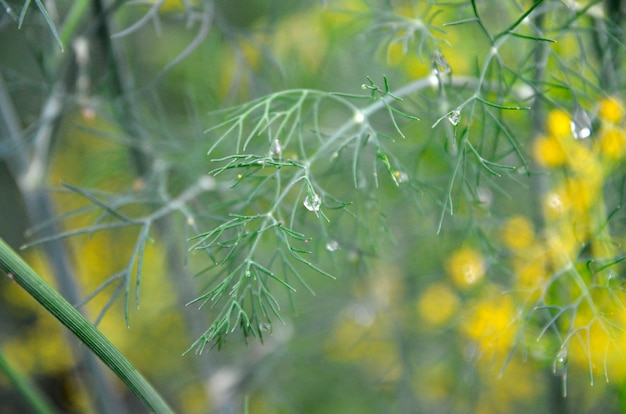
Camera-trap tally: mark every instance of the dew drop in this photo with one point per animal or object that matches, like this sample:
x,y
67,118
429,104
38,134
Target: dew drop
x,y
484,196
400,177
276,151
440,64
580,124
332,245
312,202
359,117
559,369
454,116
559,366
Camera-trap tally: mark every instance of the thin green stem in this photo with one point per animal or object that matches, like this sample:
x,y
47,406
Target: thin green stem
x,y
29,391
17,270
75,17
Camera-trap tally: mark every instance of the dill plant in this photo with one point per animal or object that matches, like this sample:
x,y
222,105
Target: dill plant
x,y
482,154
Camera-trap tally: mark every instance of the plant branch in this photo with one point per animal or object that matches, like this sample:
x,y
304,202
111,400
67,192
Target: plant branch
x,y
17,270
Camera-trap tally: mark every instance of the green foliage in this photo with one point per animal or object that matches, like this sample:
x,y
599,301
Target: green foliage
x,y
442,172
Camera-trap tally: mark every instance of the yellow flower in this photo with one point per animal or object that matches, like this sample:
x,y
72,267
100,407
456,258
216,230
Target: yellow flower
x,y
610,110
466,266
559,124
437,304
613,143
561,247
549,152
584,162
490,323
583,191
599,341
530,273
556,204
518,233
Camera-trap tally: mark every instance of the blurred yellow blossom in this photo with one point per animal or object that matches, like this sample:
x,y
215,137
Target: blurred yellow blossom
x,y
549,152
466,266
583,191
43,350
561,247
437,304
611,110
491,322
559,124
518,233
530,272
556,203
584,162
613,143
600,340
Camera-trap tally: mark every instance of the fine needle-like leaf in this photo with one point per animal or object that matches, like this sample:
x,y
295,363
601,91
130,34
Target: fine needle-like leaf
x,y
46,16
519,21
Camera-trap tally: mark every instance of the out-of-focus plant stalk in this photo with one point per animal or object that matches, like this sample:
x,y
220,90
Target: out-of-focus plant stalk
x,y
33,395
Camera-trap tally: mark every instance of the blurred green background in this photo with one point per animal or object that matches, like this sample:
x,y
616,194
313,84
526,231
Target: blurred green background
x,y
398,331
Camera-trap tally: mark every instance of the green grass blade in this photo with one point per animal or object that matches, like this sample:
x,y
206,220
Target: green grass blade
x,y
13,266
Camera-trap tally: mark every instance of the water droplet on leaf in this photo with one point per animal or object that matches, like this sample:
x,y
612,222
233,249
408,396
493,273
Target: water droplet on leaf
x,y
312,202
400,177
359,117
332,245
454,116
559,366
276,150
580,124
440,64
